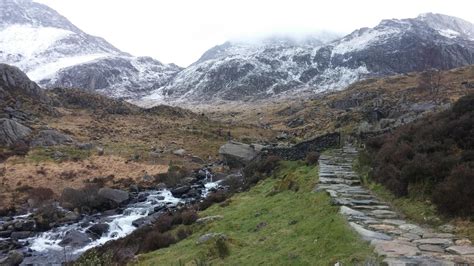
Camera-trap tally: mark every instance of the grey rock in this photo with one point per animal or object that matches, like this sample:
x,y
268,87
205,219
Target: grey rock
x,y
13,258
431,248
20,235
209,219
75,239
12,131
434,241
461,250
115,195
412,228
394,248
180,191
346,211
49,137
207,237
179,152
97,230
367,234
237,154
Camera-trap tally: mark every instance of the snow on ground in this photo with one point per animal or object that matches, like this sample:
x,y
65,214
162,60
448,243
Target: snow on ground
x,y
449,33
50,69
362,40
28,40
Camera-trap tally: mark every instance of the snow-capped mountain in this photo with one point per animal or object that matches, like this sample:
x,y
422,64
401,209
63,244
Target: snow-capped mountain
x,y
241,71
54,52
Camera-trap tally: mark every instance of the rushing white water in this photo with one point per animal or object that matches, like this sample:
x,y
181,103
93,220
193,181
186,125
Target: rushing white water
x,y
48,243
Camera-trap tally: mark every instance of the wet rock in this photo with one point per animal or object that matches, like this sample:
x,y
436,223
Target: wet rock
x,y
12,132
201,174
142,197
13,258
27,225
20,235
115,195
180,191
75,239
97,230
210,236
5,234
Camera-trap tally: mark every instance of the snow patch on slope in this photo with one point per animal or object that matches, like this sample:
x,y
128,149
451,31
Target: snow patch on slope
x,y
29,41
362,39
449,33
48,71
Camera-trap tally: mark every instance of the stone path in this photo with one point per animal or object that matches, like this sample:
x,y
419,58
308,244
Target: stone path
x,y
401,242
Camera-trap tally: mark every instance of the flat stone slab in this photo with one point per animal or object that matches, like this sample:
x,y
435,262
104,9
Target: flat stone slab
x,y
382,227
384,214
393,221
367,234
412,228
346,211
461,250
434,241
395,248
431,248
438,235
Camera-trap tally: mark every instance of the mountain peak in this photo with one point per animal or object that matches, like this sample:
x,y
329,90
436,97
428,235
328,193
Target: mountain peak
x,y
448,24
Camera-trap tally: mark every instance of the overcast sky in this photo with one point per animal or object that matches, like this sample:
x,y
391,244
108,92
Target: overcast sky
x,y
179,31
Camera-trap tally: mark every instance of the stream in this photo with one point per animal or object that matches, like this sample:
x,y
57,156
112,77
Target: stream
x,y
44,248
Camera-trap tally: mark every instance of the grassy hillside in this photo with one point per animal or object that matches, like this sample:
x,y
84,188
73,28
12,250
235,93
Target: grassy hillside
x,y
279,221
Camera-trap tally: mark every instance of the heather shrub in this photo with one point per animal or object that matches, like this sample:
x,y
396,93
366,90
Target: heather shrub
x,y
156,240
430,159
455,195
183,233
189,217
312,158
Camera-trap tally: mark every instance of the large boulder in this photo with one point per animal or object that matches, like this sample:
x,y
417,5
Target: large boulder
x,y
49,137
237,154
115,195
75,239
12,131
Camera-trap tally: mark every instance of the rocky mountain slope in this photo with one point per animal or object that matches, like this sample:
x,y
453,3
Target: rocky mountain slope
x,y
54,52
241,71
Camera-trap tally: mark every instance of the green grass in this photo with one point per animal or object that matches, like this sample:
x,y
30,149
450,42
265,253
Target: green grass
x,y
41,154
302,228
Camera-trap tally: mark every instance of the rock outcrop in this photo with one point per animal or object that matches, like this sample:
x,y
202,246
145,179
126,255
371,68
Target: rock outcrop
x,y
12,132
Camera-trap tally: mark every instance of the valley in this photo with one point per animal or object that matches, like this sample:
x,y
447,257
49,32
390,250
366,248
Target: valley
x,y
332,149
